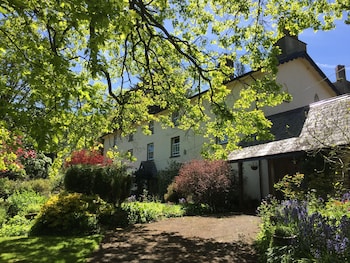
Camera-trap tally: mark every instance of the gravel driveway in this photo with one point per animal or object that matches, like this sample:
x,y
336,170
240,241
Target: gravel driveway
x,y
186,239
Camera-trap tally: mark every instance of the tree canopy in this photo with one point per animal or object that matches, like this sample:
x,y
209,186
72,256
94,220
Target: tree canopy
x,y
75,69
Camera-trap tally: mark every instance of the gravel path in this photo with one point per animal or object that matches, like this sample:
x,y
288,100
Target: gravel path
x,y
186,239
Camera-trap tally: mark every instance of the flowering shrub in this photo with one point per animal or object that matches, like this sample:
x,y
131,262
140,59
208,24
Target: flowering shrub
x,y
10,164
18,161
204,181
84,156
68,214
322,228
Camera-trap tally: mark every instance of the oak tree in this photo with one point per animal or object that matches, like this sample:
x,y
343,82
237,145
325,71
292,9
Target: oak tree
x,y
74,69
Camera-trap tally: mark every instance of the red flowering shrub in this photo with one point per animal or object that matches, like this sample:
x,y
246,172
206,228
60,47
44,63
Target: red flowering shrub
x,y
88,157
207,182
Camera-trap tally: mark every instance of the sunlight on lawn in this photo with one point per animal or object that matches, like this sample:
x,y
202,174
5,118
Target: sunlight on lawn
x,y
48,249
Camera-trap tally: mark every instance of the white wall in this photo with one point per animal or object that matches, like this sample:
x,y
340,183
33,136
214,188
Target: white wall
x,y
297,76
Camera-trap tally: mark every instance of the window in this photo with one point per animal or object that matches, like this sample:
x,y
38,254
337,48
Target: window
x,y
150,151
175,118
222,141
151,126
175,146
130,137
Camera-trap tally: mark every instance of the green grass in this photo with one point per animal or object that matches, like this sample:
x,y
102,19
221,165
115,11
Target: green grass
x,y
48,249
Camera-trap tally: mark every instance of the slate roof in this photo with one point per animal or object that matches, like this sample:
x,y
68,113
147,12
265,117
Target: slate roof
x,y
146,170
285,125
327,125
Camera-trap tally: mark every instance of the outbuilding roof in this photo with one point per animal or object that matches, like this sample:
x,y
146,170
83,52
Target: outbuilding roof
x,y
327,125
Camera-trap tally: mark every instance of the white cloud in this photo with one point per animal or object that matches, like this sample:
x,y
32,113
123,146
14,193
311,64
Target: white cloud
x,y
322,65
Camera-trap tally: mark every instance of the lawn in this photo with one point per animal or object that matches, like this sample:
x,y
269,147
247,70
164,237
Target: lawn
x,y
48,249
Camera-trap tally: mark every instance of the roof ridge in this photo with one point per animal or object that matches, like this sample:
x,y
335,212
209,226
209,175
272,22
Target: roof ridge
x,y
329,100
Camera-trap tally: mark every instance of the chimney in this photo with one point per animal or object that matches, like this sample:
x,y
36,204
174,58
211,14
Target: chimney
x,y
342,85
340,73
290,45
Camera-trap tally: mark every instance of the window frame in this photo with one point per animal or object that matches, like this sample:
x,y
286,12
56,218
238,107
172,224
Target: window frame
x,y
175,146
150,151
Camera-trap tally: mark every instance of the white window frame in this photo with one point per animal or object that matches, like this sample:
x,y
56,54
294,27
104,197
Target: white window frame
x,y
150,151
175,146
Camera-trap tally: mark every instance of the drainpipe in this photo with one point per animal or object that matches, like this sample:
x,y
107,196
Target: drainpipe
x,y
260,181
240,185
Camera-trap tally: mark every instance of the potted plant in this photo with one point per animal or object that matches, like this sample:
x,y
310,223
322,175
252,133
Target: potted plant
x,y
284,235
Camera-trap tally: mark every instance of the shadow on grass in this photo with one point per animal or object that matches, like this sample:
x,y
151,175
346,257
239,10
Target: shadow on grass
x,y
139,244
47,249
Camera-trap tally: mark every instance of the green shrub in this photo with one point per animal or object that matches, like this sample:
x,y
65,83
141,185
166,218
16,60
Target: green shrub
x,y
3,214
290,187
68,214
144,212
196,209
111,183
7,187
16,226
25,202
37,167
42,186
166,176
80,179
111,217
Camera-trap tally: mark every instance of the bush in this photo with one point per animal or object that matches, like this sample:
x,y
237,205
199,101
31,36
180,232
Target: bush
x,y
204,181
111,183
166,176
7,187
38,166
68,214
144,212
80,179
3,213
41,186
16,226
25,202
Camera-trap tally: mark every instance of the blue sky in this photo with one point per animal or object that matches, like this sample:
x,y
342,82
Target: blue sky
x,y
329,48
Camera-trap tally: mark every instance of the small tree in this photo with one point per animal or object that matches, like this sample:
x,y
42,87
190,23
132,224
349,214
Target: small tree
x,y
88,157
206,182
